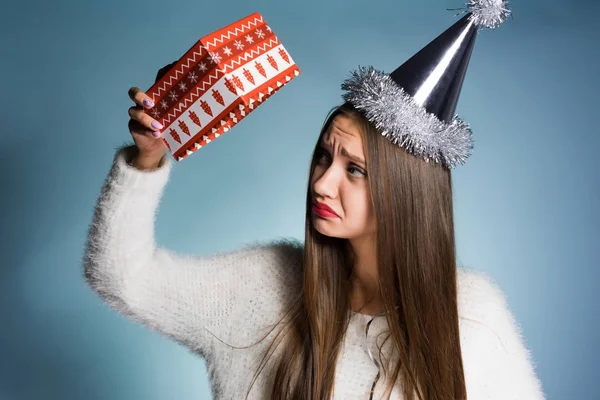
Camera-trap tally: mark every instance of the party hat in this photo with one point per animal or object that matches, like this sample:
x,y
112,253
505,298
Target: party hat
x,y
414,106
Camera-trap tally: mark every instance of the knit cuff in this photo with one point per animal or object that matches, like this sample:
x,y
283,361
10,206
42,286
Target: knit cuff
x,y
131,176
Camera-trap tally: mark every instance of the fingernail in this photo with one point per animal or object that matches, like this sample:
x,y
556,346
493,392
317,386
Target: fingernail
x,y
156,125
148,103
155,134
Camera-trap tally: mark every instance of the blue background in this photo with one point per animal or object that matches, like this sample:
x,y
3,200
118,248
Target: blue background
x,y
526,202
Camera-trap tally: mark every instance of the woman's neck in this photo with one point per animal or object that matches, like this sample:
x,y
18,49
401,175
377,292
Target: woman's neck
x,y
365,295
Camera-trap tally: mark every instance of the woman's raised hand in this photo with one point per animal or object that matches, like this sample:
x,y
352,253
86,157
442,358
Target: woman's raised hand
x,y
145,130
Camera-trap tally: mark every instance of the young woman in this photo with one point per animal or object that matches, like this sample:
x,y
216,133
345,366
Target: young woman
x,y
371,305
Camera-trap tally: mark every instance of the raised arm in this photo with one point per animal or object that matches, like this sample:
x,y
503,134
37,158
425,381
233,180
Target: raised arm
x,y
184,297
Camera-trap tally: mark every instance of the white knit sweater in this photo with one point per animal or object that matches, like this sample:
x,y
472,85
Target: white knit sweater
x,y
236,296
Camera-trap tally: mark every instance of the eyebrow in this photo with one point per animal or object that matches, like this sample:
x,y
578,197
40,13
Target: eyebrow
x,y
345,153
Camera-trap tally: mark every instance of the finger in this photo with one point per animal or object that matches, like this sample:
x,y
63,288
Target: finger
x,y
136,128
140,98
132,92
147,121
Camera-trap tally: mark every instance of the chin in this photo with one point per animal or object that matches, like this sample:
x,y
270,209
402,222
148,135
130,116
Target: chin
x,y
320,226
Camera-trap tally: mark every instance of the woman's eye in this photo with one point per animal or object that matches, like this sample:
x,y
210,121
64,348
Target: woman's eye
x,y
323,156
354,169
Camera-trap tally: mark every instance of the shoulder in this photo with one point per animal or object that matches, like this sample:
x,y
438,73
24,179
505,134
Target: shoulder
x,y
497,361
478,294
278,261
273,278
483,308
277,251
286,251
487,323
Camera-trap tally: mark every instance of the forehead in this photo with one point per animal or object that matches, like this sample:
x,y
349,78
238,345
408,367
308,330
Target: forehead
x,y
344,130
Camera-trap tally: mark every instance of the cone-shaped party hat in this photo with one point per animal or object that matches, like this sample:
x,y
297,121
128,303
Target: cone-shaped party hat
x,y
414,106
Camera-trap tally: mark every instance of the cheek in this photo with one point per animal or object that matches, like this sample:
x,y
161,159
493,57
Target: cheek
x,y
357,204
368,211
370,208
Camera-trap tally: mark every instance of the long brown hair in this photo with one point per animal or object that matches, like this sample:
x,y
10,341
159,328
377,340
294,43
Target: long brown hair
x,y
412,200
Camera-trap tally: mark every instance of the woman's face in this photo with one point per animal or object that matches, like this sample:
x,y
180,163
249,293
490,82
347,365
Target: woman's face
x,y
340,182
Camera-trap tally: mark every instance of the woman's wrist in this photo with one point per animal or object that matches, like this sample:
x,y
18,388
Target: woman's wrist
x,y
144,162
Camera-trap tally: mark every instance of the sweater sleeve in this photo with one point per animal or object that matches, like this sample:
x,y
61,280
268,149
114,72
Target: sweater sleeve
x,y
197,301
501,367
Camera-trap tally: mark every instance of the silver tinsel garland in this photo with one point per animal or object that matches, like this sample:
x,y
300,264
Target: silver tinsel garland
x,y
395,114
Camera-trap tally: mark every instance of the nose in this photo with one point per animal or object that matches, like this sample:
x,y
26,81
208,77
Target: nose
x,y
327,184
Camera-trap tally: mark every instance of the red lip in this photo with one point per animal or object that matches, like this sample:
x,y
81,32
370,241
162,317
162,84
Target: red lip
x,y
324,209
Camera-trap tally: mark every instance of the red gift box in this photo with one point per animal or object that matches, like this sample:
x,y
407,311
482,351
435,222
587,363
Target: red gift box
x,y
217,82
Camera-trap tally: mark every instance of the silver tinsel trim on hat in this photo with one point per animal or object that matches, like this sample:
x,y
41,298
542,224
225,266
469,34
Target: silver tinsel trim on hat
x,y
395,114
488,13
